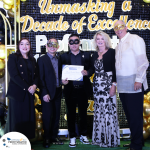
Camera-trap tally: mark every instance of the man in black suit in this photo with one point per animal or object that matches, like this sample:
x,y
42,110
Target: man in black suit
x,y
51,91
77,92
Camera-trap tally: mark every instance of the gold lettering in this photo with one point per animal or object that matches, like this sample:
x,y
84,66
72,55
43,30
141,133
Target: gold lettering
x,y
75,24
110,9
90,19
49,26
145,24
42,4
25,19
66,8
98,26
126,6
58,24
104,6
75,8
138,24
91,6
82,9
130,24
57,9
42,26
36,26
65,26
103,24
80,25
109,24
50,8
148,25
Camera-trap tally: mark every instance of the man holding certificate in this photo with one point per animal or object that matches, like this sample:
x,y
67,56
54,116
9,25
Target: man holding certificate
x,y
76,71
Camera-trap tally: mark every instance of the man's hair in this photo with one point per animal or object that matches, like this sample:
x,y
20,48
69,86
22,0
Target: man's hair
x,y
121,21
53,38
74,34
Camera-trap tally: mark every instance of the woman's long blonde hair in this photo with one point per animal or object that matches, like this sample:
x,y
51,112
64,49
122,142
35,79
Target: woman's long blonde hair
x,y
106,39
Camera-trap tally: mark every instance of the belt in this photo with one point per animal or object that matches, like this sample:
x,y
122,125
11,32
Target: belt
x,y
78,86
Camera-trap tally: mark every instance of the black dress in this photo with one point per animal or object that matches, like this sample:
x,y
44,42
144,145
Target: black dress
x,y
21,114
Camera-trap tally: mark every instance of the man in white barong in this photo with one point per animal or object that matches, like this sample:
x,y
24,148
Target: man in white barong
x,y
131,66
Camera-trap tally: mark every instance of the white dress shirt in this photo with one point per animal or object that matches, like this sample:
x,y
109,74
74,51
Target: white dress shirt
x,y
131,63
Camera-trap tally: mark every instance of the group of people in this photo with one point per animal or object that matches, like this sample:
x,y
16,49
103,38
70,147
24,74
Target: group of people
x,y
123,68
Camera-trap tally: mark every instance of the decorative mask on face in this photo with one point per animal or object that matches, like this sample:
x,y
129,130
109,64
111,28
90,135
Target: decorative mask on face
x,y
52,44
76,41
119,27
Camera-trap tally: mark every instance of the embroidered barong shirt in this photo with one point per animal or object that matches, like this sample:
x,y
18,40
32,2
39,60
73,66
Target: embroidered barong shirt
x,y
131,63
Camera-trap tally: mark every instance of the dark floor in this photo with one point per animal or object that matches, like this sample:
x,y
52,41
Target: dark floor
x,y
80,146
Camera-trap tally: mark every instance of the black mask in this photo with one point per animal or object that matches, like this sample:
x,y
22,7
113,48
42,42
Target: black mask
x,y
76,41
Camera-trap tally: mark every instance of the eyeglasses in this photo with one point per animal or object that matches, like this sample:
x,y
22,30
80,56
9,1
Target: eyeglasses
x,y
52,44
76,41
119,27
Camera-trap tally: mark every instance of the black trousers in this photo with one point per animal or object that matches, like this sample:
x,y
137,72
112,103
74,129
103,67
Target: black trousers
x,y
133,107
78,98
51,115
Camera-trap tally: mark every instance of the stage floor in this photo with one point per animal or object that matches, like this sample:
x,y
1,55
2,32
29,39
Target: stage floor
x,y
80,146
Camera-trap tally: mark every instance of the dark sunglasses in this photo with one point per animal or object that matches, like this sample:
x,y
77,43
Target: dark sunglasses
x,y
76,41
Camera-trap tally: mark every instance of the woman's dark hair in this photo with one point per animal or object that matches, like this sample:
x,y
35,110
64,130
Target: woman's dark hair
x,y
18,53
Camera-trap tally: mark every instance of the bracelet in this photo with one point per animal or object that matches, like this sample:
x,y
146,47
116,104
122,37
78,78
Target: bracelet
x,y
115,84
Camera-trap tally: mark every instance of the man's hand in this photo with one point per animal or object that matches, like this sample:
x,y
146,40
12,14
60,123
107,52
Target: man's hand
x,y
112,91
65,81
46,98
32,89
84,72
137,86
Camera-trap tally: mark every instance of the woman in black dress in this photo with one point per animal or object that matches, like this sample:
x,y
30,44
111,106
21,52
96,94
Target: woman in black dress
x,y
22,85
105,122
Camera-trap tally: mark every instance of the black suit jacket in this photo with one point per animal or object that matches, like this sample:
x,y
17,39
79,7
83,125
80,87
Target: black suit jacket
x,y
65,59
47,76
19,82
108,62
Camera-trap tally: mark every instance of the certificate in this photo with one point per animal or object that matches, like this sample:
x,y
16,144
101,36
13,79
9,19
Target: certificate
x,y
72,72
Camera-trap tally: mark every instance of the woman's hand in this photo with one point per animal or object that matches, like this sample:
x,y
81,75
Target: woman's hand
x,y
112,91
32,89
65,81
46,98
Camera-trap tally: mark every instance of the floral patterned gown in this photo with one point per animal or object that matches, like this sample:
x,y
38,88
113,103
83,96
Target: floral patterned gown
x,y
105,122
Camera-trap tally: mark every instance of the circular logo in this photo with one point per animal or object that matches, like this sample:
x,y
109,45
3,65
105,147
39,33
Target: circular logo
x,y
14,141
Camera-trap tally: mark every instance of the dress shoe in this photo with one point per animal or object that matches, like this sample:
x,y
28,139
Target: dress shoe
x,y
46,143
57,141
127,145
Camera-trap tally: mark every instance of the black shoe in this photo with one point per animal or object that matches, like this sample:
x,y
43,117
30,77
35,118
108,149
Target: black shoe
x,y
130,149
57,141
127,145
46,143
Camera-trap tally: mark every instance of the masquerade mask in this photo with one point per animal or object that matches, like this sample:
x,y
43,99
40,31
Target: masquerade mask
x,y
119,27
52,44
76,41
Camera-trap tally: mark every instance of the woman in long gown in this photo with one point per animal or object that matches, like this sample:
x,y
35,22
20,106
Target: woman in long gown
x,y
105,122
22,85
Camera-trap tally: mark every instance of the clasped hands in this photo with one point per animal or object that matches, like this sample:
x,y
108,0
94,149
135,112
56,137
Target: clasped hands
x,y
32,89
84,73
